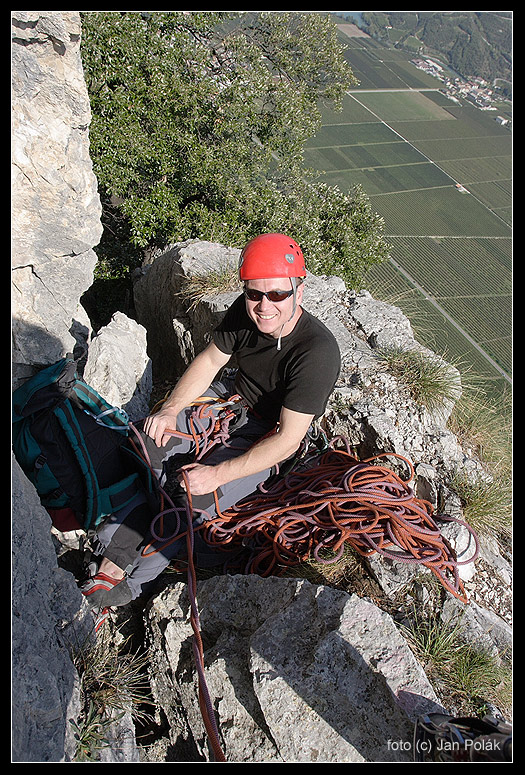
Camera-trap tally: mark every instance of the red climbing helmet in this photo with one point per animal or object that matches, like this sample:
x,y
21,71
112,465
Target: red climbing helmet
x,y
271,255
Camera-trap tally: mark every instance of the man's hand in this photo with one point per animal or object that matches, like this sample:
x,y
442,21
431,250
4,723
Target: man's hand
x,y
193,383
201,479
155,425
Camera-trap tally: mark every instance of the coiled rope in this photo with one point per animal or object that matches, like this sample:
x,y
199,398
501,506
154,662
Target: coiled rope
x,y
334,500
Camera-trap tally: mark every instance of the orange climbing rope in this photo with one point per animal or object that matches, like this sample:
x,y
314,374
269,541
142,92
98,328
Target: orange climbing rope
x,y
331,501
337,501
207,430
205,703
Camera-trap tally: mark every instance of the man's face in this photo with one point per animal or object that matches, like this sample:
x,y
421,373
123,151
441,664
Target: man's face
x,y
271,316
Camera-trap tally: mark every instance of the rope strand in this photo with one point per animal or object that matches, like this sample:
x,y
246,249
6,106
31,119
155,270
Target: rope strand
x,y
205,703
332,500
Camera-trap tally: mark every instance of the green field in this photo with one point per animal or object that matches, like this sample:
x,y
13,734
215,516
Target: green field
x,y
439,172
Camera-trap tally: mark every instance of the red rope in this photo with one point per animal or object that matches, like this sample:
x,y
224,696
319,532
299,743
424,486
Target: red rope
x,y
205,704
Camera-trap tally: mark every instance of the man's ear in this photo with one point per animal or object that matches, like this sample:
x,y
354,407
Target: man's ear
x,y
299,292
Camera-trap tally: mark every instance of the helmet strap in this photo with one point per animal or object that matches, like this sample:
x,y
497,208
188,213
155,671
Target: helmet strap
x,y
293,281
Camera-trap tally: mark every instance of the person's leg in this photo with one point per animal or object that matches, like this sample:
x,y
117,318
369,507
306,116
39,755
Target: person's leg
x,y
207,507
137,545
163,548
124,534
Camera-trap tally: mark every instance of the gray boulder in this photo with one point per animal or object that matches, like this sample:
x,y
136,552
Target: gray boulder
x,y
118,366
296,672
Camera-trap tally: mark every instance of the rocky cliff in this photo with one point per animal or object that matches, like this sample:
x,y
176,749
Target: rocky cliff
x,y
55,224
298,671
55,204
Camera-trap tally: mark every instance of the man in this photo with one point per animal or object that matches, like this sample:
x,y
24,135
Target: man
x,y
287,365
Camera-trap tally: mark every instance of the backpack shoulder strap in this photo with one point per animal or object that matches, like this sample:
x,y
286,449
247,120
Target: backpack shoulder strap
x,y
69,424
104,413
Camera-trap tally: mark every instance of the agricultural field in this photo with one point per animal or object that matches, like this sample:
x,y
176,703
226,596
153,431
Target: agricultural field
x,y
439,172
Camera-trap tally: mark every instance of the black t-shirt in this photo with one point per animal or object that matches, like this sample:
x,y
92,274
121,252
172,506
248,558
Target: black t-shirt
x,y
300,376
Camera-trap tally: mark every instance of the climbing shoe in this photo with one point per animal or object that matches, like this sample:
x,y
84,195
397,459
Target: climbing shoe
x,y
102,591
100,616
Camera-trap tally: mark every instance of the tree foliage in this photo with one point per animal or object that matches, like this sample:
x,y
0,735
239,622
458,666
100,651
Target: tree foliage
x,y
199,121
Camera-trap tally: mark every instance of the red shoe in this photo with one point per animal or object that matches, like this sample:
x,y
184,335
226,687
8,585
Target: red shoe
x,y
100,615
102,591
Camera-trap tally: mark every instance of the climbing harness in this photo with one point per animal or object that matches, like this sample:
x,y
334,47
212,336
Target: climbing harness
x,y
209,427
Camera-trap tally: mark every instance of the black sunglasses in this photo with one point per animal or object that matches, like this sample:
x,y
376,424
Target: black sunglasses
x,y
274,296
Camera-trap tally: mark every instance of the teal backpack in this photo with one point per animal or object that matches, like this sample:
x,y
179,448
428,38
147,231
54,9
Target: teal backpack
x,y
74,447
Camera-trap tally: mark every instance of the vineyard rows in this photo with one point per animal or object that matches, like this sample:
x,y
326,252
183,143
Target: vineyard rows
x,y
440,175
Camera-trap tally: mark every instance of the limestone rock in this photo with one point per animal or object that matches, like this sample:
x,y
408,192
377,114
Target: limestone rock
x,y
296,672
163,311
49,617
118,366
55,204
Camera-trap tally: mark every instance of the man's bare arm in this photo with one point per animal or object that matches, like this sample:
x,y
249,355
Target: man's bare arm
x,y
263,455
194,382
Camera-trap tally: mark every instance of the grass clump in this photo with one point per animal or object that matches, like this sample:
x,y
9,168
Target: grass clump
x,y
222,280
466,672
484,432
91,732
429,380
339,573
482,429
486,504
113,682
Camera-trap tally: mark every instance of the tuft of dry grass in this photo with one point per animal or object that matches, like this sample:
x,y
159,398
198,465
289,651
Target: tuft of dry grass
x,y
225,279
430,381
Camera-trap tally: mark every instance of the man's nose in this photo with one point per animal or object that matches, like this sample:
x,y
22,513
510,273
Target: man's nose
x,y
265,302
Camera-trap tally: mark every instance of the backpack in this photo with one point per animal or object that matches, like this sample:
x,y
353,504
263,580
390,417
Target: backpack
x,y
73,446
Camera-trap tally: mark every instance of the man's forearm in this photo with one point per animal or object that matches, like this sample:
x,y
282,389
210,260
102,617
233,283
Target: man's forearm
x,y
263,455
193,383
